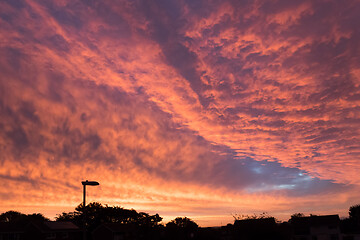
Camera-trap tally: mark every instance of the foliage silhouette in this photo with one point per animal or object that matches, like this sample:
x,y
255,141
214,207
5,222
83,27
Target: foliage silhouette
x,y
352,223
254,216
181,228
149,227
95,214
182,222
354,213
296,216
21,218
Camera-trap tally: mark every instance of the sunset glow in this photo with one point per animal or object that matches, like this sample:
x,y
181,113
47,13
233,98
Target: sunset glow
x,y
202,109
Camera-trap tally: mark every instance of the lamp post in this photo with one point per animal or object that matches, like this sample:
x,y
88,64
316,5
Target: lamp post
x,y
86,183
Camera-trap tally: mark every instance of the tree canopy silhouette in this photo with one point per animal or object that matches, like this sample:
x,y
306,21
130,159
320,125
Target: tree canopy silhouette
x,y
354,212
263,215
21,218
353,221
181,228
182,222
95,214
296,216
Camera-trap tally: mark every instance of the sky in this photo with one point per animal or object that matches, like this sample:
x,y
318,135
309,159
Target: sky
x,y
205,109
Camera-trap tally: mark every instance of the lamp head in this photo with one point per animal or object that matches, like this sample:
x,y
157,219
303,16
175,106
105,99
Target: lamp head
x,y
90,183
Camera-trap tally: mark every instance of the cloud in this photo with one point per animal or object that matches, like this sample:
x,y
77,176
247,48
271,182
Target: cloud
x,y
190,102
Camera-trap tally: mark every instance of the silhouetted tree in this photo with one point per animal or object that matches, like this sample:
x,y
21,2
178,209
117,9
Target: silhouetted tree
x,y
11,216
96,214
74,217
181,228
182,222
352,223
296,216
21,218
254,216
354,213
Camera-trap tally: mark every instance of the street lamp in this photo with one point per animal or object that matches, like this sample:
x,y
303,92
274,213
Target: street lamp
x,y
86,183
89,183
